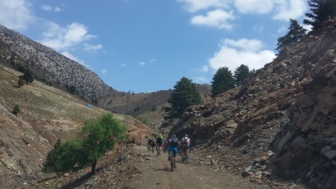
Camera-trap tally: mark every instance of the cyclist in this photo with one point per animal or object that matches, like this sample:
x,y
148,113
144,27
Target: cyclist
x,y
173,143
150,144
159,141
185,144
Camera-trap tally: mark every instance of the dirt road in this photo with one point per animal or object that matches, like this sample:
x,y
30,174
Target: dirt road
x,y
156,173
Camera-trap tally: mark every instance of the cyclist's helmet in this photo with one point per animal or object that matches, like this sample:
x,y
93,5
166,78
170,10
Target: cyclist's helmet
x,y
186,135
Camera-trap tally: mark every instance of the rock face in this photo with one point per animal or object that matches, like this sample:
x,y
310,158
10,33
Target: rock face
x,y
56,67
286,112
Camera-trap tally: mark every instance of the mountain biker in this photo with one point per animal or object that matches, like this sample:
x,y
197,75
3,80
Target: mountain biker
x,y
173,143
159,141
185,143
150,144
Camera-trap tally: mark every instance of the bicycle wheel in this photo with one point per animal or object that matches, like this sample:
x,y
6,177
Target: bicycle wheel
x,y
171,161
186,157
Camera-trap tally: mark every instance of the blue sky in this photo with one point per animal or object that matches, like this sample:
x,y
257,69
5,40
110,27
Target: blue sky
x,y
149,45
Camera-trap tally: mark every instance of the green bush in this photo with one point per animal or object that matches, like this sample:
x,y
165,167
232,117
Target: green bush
x,y
21,82
95,139
145,120
50,163
16,109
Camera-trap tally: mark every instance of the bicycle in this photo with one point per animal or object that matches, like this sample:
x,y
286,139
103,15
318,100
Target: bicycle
x,y
158,151
148,147
185,155
171,157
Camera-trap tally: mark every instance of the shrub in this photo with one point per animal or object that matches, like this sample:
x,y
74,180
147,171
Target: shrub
x,y
21,82
95,139
16,109
51,160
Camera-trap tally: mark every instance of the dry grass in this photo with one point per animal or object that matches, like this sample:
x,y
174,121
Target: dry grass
x,y
46,114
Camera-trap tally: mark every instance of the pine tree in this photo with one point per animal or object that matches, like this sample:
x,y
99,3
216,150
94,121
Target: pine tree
x,y
222,81
241,74
295,34
184,95
321,11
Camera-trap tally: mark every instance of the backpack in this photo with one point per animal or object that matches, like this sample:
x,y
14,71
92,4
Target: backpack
x,y
174,142
185,141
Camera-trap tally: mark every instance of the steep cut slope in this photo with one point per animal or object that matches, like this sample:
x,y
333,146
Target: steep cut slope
x,y
56,67
46,115
281,122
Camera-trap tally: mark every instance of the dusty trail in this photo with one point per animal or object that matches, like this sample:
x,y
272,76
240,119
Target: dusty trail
x,y
156,174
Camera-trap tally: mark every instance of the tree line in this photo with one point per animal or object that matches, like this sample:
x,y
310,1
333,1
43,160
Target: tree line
x,y
185,93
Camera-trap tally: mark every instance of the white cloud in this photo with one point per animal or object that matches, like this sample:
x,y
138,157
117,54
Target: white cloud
x,y
234,53
16,14
287,9
50,8
217,19
60,38
152,60
307,27
254,6
93,48
142,63
196,5
123,65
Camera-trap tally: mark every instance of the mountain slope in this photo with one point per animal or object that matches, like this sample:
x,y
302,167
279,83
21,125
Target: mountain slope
x,y
46,114
56,67
281,122
149,105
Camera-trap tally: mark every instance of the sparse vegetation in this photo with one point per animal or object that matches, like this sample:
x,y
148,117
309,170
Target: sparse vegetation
x,y
51,160
16,109
20,82
95,139
145,120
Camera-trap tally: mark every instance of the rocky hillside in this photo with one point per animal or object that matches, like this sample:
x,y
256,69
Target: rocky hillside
x,y
144,105
56,67
46,114
281,122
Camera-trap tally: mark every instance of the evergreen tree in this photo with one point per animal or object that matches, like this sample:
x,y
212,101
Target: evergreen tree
x,y
222,81
184,95
321,11
295,34
241,74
